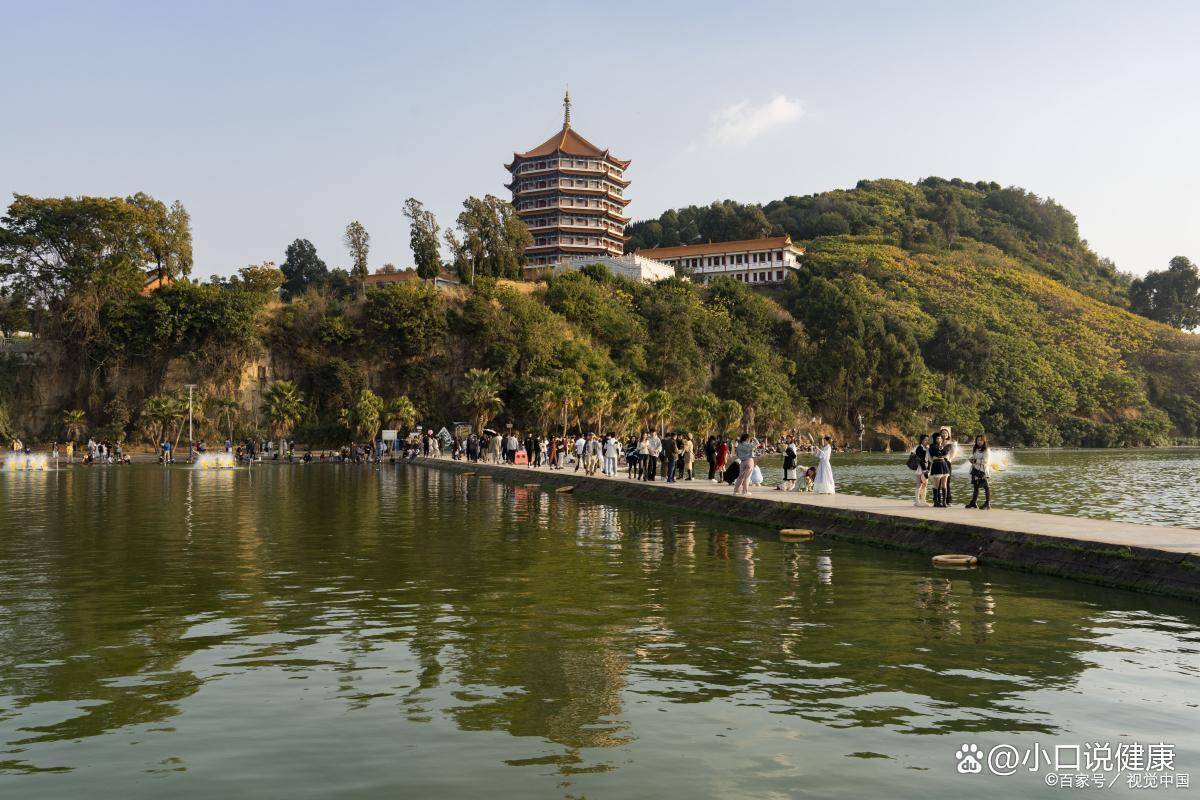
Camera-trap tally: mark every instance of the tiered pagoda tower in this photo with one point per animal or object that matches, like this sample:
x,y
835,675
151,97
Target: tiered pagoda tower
x,y
570,194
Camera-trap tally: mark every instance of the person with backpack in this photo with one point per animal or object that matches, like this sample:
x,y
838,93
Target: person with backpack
x,y
918,462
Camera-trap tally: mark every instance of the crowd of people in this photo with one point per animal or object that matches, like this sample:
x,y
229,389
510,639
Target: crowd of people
x,y
671,457
932,461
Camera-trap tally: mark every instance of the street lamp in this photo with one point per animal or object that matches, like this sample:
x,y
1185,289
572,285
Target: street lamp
x,y
190,387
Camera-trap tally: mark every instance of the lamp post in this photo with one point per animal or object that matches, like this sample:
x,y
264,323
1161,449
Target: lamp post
x,y
190,387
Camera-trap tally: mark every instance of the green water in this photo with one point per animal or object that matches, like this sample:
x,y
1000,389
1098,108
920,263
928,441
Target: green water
x,y
342,631
1159,486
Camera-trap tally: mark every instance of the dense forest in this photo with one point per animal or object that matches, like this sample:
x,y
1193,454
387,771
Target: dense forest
x,y
942,302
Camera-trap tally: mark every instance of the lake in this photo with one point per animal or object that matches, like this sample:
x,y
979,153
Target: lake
x,y
1158,486
361,632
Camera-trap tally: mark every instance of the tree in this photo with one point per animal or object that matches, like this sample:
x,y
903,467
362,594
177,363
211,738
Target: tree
x,y
1171,296
166,234
358,242
367,414
74,422
729,414
400,414
598,398
284,407
658,408
490,240
227,409
159,414
480,393
302,268
423,233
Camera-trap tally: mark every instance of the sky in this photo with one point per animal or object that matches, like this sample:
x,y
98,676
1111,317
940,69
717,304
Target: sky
x,y
277,121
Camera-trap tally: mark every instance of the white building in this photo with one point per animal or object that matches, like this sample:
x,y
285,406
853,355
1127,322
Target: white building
x,y
753,261
630,265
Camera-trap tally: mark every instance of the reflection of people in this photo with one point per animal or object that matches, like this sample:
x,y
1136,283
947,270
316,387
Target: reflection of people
x,y
823,484
980,473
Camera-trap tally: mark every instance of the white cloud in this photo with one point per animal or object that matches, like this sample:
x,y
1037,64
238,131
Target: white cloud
x,y
741,123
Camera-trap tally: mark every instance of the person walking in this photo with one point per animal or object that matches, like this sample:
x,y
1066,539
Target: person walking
x,y
722,450
919,462
710,455
670,454
612,451
653,451
744,452
689,457
939,470
789,466
981,471
823,484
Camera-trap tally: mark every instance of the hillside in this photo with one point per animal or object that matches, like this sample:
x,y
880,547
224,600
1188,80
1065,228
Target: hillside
x,y
928,217
897,315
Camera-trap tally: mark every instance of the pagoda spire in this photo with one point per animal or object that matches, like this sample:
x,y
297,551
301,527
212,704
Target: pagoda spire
x,y
567,108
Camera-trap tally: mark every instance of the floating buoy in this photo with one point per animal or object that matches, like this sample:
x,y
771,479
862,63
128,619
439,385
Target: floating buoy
x,y
565,489
795,535
470,474
951,560
532,485
484,477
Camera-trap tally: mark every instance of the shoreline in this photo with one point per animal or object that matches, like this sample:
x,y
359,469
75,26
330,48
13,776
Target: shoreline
x,y
1152,559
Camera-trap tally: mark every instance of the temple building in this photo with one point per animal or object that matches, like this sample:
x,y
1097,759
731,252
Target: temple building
x,y
570,194
766,260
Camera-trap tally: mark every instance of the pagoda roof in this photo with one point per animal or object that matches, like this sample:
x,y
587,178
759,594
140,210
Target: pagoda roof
x,y
571,143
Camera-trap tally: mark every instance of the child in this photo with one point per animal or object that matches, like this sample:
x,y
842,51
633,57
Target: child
x,y
810,475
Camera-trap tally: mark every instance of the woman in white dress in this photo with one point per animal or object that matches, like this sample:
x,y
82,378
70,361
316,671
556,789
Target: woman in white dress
x,y
824,482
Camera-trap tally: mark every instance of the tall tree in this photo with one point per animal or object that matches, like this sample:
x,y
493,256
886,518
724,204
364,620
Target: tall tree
x,y
302,267
284,407
166,234
481,395
490,240
423,233
1171,296
358,242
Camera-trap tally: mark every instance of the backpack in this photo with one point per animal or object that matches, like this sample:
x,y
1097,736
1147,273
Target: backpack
x,y
914,461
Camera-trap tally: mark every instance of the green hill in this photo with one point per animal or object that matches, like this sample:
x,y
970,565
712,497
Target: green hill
x,y
936,303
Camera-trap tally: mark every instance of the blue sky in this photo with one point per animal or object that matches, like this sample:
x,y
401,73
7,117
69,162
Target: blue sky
x,y
273,121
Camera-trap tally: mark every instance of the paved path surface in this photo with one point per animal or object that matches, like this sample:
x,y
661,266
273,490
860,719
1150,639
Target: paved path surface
x,y
1174,540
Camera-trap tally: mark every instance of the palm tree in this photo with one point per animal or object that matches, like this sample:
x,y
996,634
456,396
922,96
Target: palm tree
x,y
481,395
729,414
702,414
74,422
158,413
227,408
569,390
366,414
598,399
658,408
400,414
284,406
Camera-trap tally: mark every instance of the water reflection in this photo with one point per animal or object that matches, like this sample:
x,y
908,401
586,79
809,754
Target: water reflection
x,y
352,606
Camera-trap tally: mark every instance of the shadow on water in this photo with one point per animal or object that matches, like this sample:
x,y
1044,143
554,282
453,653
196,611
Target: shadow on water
x,y
400,626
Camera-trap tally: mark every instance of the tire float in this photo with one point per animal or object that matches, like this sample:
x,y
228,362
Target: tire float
x,y
565,489
955,560
795,535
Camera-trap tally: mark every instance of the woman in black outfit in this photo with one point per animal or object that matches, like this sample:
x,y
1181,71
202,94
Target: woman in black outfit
x,y
939,471
710,455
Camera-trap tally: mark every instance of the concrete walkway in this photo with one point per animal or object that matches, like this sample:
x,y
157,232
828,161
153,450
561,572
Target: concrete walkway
x,y
1121,534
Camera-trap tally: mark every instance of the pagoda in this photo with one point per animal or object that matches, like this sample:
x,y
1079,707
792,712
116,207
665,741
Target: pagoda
x,y
570,194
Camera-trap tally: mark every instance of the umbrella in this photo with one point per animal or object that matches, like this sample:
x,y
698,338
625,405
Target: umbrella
x,y
489,431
